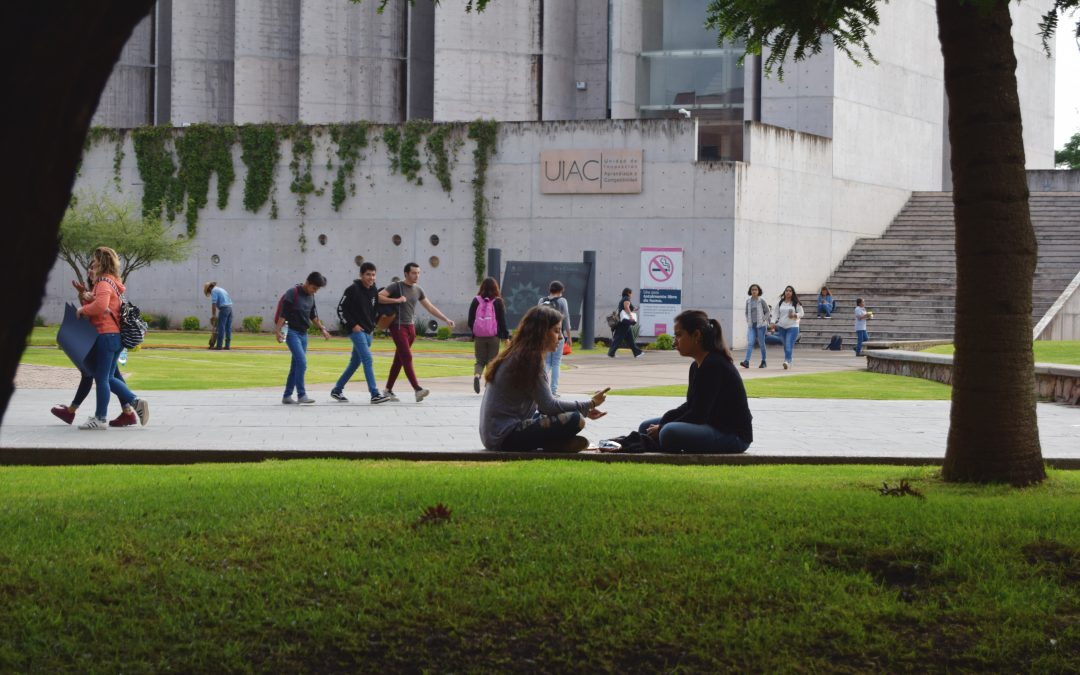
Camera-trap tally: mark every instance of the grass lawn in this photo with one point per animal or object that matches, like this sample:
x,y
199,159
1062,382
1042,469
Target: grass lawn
x,y
847,384
326,566
46,337
1064,351
154,369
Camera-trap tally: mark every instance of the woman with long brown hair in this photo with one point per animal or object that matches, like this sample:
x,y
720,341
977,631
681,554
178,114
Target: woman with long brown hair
x,y
487,321
518,412
104,313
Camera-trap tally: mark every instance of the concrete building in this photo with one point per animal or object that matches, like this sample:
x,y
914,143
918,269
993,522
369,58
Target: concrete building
x,y
766,181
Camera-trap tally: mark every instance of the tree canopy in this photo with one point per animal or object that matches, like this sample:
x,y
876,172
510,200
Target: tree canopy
x,y
93,220
1069,156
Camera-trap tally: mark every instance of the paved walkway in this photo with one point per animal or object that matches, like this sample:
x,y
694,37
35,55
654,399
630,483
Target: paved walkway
x,y
230,424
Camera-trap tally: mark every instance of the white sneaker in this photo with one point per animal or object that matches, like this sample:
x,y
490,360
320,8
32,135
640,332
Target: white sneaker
x,y
94,424
787,365
305,400
421,394
390,396
142,410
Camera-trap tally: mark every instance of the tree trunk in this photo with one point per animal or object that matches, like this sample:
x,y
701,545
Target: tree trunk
x,y
993,430
58,56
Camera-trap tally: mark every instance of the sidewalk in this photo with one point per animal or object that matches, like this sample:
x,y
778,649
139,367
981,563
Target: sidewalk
x,y
237,424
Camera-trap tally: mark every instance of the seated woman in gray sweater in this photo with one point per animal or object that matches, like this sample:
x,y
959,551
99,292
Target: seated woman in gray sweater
x,y
518,412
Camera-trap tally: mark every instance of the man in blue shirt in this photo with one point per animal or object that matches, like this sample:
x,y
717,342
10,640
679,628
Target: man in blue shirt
x,y
221,313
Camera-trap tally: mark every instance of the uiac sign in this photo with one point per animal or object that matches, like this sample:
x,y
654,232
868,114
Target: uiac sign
x,y
590,171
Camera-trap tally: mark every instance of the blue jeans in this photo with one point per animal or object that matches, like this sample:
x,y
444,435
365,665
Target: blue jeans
x,y
861,337
297,342
755,333
223,336
789,336
105,380
361,353
826,308
551,363
695,438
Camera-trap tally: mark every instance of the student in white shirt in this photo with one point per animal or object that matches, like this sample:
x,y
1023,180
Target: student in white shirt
x,y
861,317
786,317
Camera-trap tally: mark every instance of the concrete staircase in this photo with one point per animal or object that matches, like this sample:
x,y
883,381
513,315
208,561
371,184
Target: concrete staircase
x,y
908,276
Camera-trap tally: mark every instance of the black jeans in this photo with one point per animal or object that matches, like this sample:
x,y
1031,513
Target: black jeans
x,y
623,334
540,430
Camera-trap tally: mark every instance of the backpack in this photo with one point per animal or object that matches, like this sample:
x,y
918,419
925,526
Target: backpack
x,y
342,319
132,327
485,324
613,320
836,343
548,301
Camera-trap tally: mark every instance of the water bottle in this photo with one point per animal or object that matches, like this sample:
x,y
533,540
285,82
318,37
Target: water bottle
x,y
122,359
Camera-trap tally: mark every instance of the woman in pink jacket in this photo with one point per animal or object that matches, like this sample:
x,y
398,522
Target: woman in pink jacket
x,y
104,312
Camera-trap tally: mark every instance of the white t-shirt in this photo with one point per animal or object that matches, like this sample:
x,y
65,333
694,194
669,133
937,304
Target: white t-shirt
x,y
782,315
860,318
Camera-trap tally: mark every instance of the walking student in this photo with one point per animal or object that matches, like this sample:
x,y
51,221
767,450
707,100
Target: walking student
x,y
406,293
757,320
296,310
104,312
553,361
861,317
220,314
786,317
357,313
624,333
487,321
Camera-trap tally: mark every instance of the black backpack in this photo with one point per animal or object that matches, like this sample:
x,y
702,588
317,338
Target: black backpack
x,y
132,327
836,343
548,301
342,320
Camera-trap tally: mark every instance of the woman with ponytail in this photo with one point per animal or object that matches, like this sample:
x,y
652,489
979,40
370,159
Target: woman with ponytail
x,y
715,417
518,412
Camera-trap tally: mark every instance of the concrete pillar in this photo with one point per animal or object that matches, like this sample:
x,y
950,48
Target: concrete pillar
x,y
627,70
352,62
488,65
202,61
127,100
267,61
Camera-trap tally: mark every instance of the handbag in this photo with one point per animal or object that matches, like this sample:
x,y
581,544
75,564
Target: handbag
x,y
388,314
566,348
628,316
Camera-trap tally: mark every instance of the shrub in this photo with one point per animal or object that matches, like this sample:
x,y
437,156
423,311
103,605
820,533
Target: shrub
x,y
664,341
252,324
39,321
158,321
443,333
313,330
190,323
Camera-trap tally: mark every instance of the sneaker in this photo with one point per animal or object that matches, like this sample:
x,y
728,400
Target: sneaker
x,y
63,412
142,409
762,365
476,384
338,396
575,444
94,424
288,400
639,355
787,364
305,400
390,396
125,419
744,364
380,398
421,394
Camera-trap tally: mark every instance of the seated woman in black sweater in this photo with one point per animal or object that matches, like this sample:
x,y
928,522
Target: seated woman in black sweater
x,y
715,417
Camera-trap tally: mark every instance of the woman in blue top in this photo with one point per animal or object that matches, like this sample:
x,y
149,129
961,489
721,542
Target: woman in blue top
x,y
826,303
716,416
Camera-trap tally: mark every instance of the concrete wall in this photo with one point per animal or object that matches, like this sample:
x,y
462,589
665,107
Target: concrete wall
x,y
202,61
127,99
1062,320
627,69
488,65
682,204
351,61
1054,180
1035,81
575,50
267,61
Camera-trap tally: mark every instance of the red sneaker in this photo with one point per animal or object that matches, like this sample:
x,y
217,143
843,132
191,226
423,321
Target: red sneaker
x,y
124,419
64,413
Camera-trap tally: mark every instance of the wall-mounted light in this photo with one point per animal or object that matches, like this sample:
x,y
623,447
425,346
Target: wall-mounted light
x,y
581,86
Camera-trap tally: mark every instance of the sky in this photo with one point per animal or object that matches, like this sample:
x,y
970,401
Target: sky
x,y
1067,83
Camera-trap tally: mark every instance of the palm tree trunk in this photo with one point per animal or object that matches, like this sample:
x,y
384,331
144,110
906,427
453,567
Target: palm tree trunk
x,y
57,58
993,430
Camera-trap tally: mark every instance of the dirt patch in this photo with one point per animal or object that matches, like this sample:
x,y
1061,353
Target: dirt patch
x,y
46,377
1054,559
910,571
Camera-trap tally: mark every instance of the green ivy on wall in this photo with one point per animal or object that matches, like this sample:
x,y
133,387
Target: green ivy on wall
x,y
350,139
302,185
404,155
154,160
260,152
97,134
486,135
441,160
204,149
